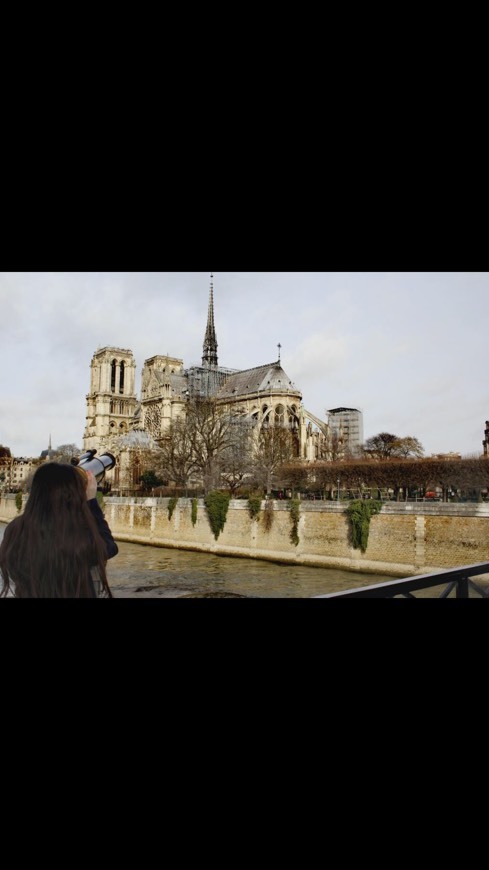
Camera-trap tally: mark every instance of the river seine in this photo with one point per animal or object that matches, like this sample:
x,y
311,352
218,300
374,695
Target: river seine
x,y
140,571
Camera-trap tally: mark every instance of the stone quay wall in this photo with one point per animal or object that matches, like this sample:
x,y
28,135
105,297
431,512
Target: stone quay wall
x,y
404,539
8,508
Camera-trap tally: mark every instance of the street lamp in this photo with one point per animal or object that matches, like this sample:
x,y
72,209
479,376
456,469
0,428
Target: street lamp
x,y
338,481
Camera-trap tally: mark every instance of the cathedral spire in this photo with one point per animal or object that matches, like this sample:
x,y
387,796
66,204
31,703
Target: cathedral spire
x,y
209,357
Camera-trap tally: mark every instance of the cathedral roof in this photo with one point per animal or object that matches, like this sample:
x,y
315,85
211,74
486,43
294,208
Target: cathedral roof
x,y
178,382
266,379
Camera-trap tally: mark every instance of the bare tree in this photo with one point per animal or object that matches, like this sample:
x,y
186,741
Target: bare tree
x,y
380,446
406,447
176,458
209,442
212,431
336,447
387,446
66,452
273,448
331,446
236,459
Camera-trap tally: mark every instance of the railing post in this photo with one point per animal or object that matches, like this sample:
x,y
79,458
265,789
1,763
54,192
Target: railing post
x,y
462,587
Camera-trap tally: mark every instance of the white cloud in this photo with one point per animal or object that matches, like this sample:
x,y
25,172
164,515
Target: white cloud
x,y
315,358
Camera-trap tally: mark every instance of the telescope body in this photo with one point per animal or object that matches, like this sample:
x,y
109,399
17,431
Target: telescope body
x,y
98,465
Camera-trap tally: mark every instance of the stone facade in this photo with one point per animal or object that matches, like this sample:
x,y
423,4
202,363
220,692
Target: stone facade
x,y
112,401
16,470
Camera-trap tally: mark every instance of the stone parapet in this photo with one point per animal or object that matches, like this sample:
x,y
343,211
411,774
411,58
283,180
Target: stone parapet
x,y
404,539
8,507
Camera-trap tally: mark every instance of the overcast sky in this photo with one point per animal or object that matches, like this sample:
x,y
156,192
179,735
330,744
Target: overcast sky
x,y
409,349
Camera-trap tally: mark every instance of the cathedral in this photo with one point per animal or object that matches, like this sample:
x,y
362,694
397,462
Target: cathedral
x,y
264,395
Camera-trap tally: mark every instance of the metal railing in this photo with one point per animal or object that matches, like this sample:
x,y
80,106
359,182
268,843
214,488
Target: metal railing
x,y
459,579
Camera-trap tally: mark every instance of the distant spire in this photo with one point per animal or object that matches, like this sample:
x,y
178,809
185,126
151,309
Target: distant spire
x,y
209,357
279,346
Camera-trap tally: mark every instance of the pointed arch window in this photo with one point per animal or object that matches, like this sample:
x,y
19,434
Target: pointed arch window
x,y
113,366
121,378
279,415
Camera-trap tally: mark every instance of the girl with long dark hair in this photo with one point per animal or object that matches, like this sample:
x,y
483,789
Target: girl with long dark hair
x,y
58,547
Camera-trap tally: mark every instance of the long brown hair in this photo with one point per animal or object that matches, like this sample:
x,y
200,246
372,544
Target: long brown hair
x,y
49,551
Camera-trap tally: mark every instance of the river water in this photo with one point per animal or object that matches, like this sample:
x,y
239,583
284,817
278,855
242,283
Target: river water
x,y
140,571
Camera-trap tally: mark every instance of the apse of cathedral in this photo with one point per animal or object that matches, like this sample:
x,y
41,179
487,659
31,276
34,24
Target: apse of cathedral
x,y
264,395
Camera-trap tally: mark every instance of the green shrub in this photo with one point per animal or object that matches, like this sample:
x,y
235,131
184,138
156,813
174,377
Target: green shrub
x,y
254,506
194,511
217,504
360,511
18,501
268,515
172,503
295,512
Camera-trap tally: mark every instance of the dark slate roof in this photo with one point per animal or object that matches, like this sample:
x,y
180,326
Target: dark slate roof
x,y
178,382
267,378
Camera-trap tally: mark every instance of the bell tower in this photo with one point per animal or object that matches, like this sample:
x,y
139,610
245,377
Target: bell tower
x,y
111,402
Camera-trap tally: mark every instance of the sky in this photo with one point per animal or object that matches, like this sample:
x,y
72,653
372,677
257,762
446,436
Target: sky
x,y
408,349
